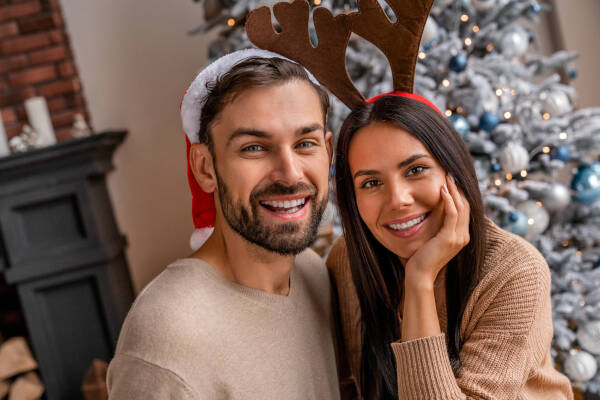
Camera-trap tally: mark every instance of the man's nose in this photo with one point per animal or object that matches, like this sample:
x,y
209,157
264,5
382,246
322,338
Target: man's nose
x,y
287,169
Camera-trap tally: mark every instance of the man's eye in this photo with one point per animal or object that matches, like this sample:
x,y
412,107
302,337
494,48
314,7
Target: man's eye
x,y
416,170
371,183
306,145
253,148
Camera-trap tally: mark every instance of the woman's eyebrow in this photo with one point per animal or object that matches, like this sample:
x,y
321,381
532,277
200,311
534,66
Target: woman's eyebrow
x,y
400,165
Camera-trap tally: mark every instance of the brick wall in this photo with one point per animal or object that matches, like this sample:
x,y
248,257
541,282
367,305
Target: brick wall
x,y
36,60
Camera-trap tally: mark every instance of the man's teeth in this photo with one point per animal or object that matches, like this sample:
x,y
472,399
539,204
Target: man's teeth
x,y
288,206
408,224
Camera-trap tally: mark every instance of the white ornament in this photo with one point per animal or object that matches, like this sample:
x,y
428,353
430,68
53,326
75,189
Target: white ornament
x,y
588,336
580,366
483,5
514,157
514,42
537,217
555,102
557,198
430,33
80,127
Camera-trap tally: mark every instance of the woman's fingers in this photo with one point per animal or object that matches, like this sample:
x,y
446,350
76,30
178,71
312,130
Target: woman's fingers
x,y
450,212
463,210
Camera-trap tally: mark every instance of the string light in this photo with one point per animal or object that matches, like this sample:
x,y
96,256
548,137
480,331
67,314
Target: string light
x,y
539,203
507,115
468,41
582,303
509,176
565,244
513,92
498,92
475,28
546,116
546,149
422,55
231,22
446,83
531,221
489,47
563,136
498,182
464,18
523,174
459,109
317,2
448,113
578,252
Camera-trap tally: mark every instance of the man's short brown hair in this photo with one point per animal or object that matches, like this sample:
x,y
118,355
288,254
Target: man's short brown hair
x,y
248,74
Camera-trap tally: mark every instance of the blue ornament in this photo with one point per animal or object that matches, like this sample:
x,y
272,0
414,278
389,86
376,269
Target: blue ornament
x,y
573,73
516,222
586,184
489,121
460,123
561,153
530,35
458,63
597,264
496,167
536,8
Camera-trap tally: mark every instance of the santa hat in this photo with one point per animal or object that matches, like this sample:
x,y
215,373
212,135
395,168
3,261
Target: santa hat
x,y
203,205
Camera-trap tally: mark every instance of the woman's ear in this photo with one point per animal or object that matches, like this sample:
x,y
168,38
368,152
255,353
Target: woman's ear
x,y
202,166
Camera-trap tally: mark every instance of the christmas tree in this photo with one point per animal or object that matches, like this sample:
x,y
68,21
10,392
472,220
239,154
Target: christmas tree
x,y
534,152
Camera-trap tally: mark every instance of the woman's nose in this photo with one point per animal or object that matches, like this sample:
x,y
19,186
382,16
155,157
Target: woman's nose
x,y
400,195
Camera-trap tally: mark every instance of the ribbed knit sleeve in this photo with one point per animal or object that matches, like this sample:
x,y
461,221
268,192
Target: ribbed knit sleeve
x,y
507,332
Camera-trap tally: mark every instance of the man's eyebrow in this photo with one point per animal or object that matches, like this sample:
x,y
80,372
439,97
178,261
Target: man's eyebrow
x,y
247,132
308,129
400,165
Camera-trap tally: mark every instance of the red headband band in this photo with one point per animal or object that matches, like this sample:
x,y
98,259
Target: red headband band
x,y
413,96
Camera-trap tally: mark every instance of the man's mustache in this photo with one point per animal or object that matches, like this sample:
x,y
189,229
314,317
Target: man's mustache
x,y
277,189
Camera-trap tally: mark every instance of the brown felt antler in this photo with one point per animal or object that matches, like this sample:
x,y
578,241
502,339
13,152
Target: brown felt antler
x,y
326,61
399,41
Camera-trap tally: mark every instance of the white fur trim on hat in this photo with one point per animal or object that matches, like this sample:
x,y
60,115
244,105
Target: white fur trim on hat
x,y
199,237
194,99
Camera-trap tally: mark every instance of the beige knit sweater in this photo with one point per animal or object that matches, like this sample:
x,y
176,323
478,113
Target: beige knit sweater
x,y
191,334
507,330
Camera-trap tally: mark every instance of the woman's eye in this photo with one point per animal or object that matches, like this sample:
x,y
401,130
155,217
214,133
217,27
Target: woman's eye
x,y
416,170
371,183
253,148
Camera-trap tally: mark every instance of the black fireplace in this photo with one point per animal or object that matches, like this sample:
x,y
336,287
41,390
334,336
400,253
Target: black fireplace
x,y
62,258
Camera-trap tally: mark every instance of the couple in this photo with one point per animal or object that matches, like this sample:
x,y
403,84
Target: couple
x,y
422,298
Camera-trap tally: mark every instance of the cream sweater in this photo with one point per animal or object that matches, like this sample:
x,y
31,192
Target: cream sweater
x,y
191,334
506,327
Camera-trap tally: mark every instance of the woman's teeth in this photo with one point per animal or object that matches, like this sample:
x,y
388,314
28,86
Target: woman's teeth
x,y
406,225
286,207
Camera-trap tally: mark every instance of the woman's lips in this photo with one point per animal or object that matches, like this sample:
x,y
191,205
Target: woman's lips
x,y
410,231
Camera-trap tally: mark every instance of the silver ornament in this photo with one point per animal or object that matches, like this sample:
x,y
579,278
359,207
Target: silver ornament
x,y
483,5
430,34
514,157
515,42
580,366
588,336
537,217
557,197
555,102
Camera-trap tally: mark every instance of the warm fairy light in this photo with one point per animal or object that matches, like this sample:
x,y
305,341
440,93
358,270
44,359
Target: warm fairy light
x,y
459,109
422,55
317,2
582,303
507,115
231,22
475,28
445,83
513,92
531,221
489,47
546,149
578,252
546,116
565,244
575,282
498,182
508,176
539,203
523,174
468,41
464,18
448,113
498,92
563,136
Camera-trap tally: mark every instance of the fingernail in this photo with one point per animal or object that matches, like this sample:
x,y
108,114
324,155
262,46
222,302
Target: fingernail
x,y
445,188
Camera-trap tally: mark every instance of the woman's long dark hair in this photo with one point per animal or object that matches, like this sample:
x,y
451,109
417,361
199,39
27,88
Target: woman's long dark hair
x,y
378,273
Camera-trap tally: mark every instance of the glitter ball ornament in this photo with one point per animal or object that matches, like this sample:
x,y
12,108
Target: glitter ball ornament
x,y
557,198
515,42
483,5
516,222
496,167
573,74
562,153
537,217
555,102
580,366
588,336
431,32
489,121
586,184
514,157
460,123
458,63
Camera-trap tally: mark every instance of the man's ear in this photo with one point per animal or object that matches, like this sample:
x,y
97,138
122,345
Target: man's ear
x,y
329,144
202,166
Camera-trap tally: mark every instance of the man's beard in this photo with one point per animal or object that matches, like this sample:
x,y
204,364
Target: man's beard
x,y
286,238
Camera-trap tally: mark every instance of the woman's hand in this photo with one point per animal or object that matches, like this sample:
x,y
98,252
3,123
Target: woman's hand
x,y
425,264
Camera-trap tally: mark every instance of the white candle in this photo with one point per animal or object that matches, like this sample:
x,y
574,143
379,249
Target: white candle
x,y
4,150
39,118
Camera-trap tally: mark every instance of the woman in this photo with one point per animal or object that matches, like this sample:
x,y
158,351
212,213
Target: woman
x,y
435,301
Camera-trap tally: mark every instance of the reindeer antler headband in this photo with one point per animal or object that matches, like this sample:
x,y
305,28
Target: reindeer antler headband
x,y
399,41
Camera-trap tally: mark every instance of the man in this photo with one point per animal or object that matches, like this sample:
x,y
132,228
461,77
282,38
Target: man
x,y
247,316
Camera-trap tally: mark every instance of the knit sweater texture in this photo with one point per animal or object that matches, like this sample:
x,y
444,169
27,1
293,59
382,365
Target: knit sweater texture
x,y
192,334
506,329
